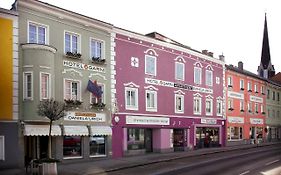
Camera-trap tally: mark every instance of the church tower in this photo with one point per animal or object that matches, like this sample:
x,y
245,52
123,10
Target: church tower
x,y
266,69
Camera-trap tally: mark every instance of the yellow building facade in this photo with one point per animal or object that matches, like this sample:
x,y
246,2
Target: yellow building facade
x,y
9,108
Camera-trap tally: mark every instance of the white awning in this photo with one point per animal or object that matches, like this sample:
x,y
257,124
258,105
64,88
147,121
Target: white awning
x,y
78,130
101,130
41,130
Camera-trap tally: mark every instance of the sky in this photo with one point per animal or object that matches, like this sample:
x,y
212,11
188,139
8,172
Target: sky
x,y
233,28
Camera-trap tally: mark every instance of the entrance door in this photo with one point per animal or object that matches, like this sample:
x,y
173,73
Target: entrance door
x,y
148,140
179,139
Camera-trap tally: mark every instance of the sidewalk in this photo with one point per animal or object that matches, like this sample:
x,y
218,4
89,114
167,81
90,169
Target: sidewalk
x,y
107,165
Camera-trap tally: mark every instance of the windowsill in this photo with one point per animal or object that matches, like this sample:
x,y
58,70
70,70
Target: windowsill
x,y
151,110
179,112
209,114
74,157
235,140
132,108
197,113
94,156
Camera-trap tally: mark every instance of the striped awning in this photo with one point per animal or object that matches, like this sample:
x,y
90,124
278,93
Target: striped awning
x,y
41,130
77,130
100,130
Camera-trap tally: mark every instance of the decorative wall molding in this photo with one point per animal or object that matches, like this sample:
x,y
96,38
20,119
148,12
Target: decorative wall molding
x,y
72,71
97,74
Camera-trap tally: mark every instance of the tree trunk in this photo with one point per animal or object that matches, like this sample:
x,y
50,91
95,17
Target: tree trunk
x,y
50,141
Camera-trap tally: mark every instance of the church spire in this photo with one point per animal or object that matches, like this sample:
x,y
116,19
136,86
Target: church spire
x,y
266,69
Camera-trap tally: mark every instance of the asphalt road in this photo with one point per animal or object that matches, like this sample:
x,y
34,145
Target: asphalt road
x,y
256,161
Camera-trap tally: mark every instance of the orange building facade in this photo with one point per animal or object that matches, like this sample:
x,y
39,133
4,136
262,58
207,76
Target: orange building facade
x,y
245,106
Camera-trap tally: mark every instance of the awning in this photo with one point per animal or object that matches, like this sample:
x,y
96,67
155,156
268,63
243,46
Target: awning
x,y
79,130
41,130
100,130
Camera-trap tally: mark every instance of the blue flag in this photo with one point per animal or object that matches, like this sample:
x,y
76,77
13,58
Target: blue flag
x,y
94,88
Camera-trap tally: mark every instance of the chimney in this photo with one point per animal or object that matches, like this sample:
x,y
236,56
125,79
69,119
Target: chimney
x,y
211,54
240,65
221,57
205,52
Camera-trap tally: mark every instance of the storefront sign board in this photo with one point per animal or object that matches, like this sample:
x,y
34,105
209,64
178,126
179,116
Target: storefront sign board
x,y
235,120
85,116
208,121
140,120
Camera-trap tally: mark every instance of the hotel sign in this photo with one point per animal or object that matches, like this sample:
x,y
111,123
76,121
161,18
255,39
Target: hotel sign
x,y
83,66
235,120
235,95
256,121
208,121
85,117
177,85
139,120
256,99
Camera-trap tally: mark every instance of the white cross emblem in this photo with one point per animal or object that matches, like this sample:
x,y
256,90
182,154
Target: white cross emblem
x,y
134,62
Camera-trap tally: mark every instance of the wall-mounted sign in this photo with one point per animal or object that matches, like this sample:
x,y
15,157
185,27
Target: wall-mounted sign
x,y
83,66
236,95
85,116
235,120
256,99
208,121
177,85
139,120
256,121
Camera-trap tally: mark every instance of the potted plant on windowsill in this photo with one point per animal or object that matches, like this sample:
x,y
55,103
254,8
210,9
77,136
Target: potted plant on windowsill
x,y
98,60
72,103
74,55
249,111
242,89
230,86
98,106
257,112
53,110
263,113
242,110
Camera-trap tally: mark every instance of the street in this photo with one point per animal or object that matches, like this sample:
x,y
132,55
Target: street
x,y
259,160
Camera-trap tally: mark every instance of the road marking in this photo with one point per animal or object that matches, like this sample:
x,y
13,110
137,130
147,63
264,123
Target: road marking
x,y
274,161
245,172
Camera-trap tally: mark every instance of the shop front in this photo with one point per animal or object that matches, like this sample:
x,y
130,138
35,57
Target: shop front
x,y
235,130
144,134
257,130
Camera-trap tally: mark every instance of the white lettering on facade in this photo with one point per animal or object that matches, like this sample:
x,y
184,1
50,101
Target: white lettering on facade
x,y
84,116
83,66
147,120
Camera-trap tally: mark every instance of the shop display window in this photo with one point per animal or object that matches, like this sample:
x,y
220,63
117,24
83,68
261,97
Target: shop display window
x,y
135,139
72,146
97,145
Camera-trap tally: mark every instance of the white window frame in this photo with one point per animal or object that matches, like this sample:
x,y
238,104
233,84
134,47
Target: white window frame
x,y
25,97
2,157
102,95
195,107
249,85
242,84
230,103
48,86
102,47
78,41
242,105
148,108
219,105
211,106
200,76
130,107
182,104
229,132
250,107
256,107
79,90
211,78
176,71
256,88
262,89
38,25
155,65
229,81
262,109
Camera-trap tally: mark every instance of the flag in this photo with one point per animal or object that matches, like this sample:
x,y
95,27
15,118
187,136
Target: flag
x,y
94,88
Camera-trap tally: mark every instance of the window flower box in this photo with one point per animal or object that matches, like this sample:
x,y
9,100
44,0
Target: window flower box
x,y
73,55
230,86
72,103
242,89
230,109
242,110
256,92
257,112
98,60
263,113
98,106
250,90
249,111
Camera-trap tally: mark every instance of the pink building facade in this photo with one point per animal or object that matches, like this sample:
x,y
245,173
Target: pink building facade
x,y
168,97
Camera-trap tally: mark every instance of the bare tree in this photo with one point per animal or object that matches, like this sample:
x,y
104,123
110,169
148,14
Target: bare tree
x,y
53,110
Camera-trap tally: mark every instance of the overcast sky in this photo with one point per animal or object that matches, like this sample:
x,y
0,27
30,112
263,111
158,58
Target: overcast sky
x,y
231,27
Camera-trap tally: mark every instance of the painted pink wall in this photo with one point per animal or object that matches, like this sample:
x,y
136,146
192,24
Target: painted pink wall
x,y
125,73
161,138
